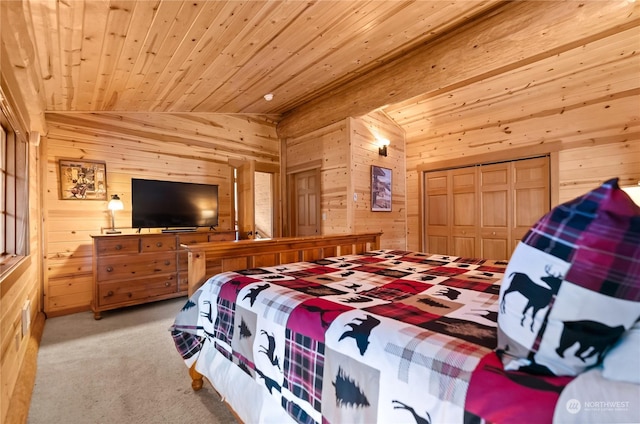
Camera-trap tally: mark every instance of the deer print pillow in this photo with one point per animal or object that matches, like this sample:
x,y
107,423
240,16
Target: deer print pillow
x,y
572,286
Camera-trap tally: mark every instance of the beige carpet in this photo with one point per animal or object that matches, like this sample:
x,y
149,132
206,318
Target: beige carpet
x,y
121,369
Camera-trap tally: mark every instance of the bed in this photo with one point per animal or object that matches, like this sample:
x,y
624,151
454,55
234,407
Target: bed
x,y
383,335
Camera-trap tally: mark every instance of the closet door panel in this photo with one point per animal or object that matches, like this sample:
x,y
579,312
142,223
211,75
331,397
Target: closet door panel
x,y
483,211
531,190
495,248
495,201
465,246
464,229
437,223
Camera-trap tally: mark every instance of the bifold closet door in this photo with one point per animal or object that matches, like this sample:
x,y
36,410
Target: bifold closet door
x,y
482,211
451,209
437,218
494,215
531,195
464,211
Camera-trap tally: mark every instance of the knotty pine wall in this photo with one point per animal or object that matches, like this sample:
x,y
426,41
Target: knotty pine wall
x,y
582,104
21,285
345,152
364,134
175,147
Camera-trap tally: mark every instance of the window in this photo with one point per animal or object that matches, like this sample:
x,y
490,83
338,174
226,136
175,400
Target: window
x,y
14,195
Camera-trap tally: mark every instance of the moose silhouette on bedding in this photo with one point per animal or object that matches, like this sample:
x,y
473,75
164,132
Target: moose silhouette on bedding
x,y
538,296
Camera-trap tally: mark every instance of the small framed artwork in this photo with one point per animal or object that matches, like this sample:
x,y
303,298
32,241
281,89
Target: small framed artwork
x,y
83,180
380,189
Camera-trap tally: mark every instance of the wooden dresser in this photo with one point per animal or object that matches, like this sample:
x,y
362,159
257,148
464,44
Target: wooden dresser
x,y
131,269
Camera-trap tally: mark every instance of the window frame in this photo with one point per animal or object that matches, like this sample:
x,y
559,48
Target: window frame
x,y
14,191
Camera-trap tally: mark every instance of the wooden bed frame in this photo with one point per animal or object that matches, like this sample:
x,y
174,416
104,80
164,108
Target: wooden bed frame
x,y
208,259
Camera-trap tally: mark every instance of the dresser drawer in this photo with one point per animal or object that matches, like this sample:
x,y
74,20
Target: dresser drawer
x,y
193,238
116,267
158,244
117,246
134,291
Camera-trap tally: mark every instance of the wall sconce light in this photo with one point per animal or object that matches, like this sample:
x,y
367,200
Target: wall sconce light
x,y
383,143
115,204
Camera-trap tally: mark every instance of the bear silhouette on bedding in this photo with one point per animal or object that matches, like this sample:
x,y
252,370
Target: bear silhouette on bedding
x,y
589,335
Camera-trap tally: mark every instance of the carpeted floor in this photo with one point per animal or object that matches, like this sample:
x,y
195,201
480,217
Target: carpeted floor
x,y
121,369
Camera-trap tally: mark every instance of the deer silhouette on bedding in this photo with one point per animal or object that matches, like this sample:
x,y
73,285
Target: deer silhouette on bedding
x,y
538,296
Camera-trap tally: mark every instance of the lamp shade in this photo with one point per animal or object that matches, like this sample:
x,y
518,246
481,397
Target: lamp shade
x,y
633,192
115,204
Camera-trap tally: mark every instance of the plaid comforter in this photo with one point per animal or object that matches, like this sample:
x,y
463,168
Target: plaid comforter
x,y
387,336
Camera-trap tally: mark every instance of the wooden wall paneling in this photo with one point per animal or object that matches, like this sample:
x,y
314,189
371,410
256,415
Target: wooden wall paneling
x,y
365,133
584,168
21,82
488,48
22,284
570,102
541,90
328,148
568,97
194,55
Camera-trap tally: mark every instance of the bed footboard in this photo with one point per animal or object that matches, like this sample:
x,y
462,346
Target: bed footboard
x,y
206,259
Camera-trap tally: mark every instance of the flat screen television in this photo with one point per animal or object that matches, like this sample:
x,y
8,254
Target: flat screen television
x,y
173,205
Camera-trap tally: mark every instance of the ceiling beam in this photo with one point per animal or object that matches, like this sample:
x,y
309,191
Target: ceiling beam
x,y
514,34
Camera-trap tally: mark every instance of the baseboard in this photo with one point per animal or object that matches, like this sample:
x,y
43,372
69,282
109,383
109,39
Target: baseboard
x,y
68,311
18,410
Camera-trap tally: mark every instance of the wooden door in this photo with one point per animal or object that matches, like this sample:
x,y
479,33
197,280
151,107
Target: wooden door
x,y
437,219
531,195
494,213
482,211
464,211
306,205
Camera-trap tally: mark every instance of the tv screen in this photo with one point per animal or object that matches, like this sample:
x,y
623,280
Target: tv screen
x,y
169,204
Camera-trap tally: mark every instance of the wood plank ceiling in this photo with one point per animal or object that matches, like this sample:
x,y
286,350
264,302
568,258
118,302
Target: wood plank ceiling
x,y
221,56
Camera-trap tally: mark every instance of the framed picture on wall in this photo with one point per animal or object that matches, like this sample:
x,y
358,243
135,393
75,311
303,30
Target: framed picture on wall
x,y
83,180
380,189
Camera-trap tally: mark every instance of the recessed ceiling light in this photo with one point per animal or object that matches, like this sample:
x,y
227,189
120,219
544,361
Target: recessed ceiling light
x,y
268,97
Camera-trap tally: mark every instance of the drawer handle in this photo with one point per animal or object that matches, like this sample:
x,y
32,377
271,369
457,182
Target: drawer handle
x,y
109,293
109,269
167,262
167,284
129,294
118,247
159,244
